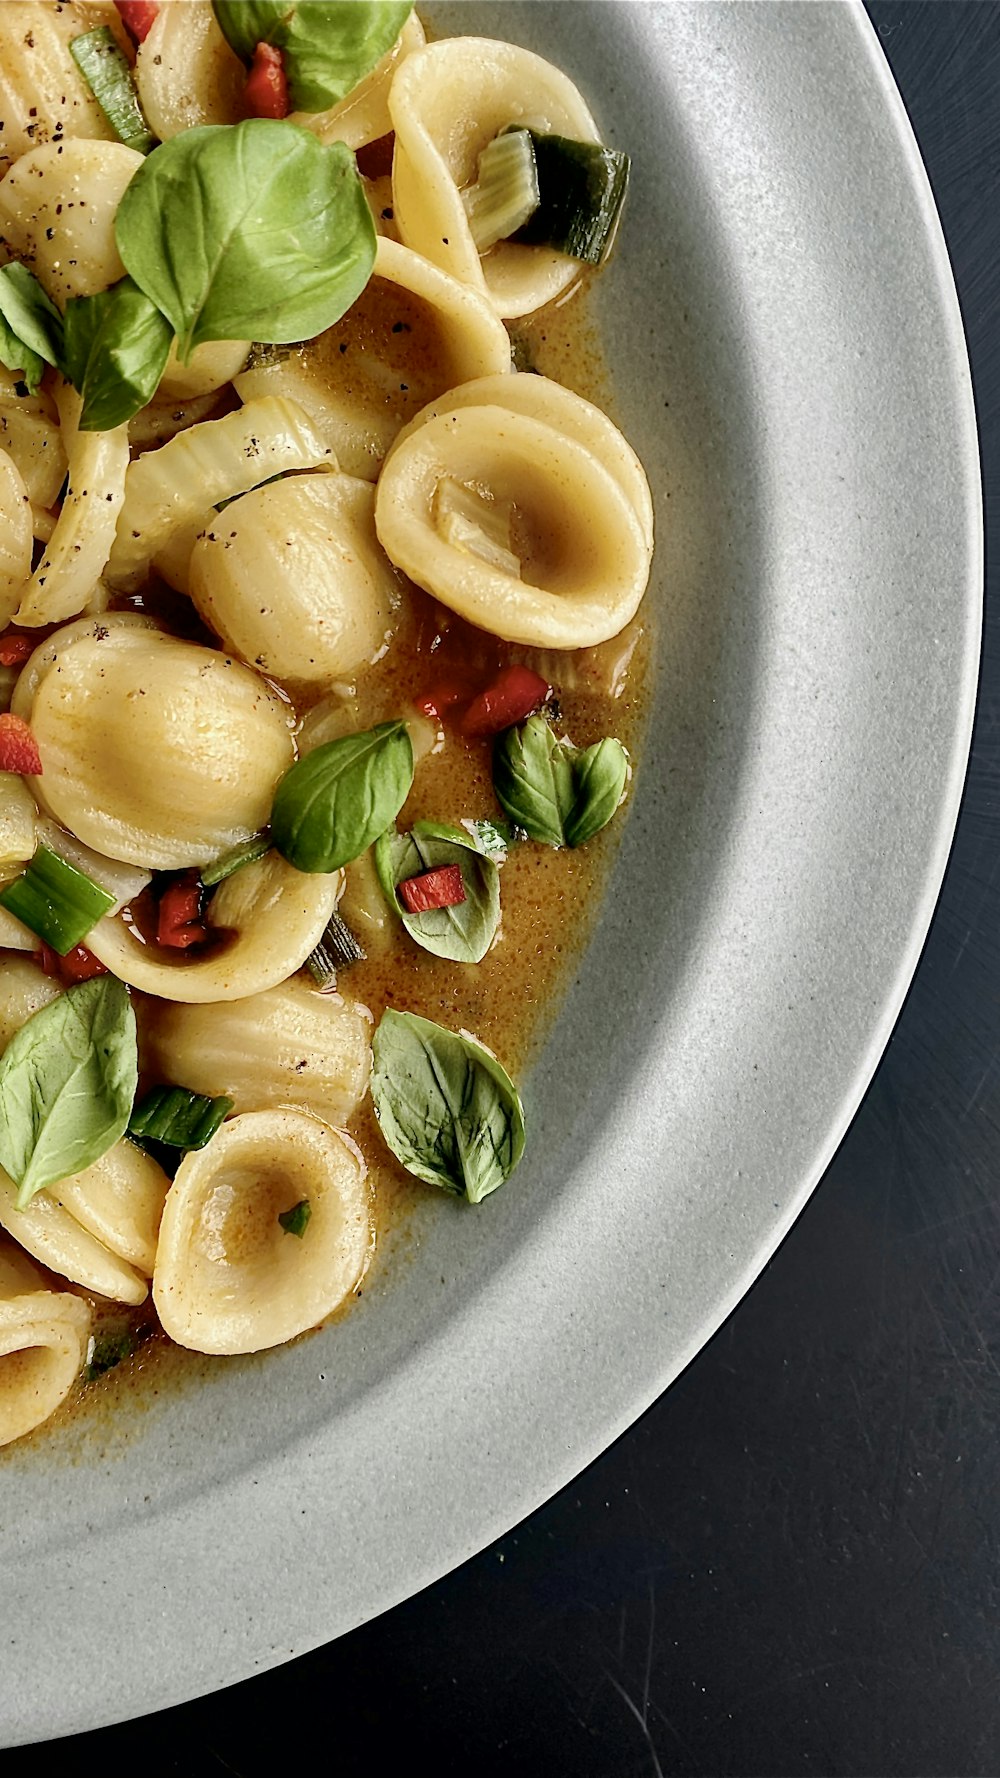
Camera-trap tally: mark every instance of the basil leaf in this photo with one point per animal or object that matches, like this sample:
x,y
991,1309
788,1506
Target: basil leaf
x,y
67,1082
559,794
600,774
115,349
447,1109
30,324
333,804
20,358
247,231
464,932
327,46
533,779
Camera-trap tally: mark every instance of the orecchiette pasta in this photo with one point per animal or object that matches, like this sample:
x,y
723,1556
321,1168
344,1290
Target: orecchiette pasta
x,y
24,990
210,367
229,1277
31,436
17,819
571,494
84,532
57,213
43,1344
16,536
51,1234
267,919
288,1046
119,1200
186,73
331,592
447,102
412,334
43,96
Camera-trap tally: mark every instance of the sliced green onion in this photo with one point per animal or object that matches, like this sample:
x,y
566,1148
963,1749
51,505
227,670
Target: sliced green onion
x,y
476,526
247,853
109,78
295,1220
581,188
505,194
180,1118
56,901
494,838
337,949
106,1350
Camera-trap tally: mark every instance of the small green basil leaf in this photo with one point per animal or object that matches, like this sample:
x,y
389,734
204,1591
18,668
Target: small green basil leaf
x,y
332,805
20,358
247,231
67,1082
464,932
600,774
558,793
533,779
327,46
30,324
447,1109
116,346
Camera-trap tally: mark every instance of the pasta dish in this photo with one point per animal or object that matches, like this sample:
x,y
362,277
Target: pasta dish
x,y
319,585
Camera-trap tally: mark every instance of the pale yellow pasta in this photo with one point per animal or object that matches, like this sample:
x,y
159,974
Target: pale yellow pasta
x,y
43,1345
179,485
122,881
57,214
14,936
81,540
43,96
24,990
581,518
447,102
289,1046
269,915
30,433
156,752
293,578
412,334
17,819
50,652
119,1200
51,1234
363,116
164,417
186,72
211,366
16,536
229,1277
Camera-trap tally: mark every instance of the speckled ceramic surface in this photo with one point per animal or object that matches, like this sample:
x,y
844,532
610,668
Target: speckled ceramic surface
x,y
790,365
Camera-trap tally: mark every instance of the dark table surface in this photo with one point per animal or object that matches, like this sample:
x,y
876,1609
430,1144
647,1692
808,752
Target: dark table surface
x,y
791,1565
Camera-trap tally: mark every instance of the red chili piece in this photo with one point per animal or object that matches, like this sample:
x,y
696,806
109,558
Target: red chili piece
x,y
514,694
18,747
78,965
14,650
441,887
138,17
442,697
266,90
178,922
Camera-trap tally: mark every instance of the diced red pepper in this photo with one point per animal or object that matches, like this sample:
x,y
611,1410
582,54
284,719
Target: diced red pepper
x,y
266,90
138,17
178,922
514,694
14,650
18,747
78,965
443,696
441,887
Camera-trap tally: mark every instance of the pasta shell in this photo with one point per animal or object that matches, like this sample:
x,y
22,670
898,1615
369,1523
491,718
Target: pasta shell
x,y
288,1046
43,95
84,532
186,73
307,546
57,212
447,102
43,1345
228,1277
269,915
157,752
24,990
16,537
51,1234
119,1200
581,515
